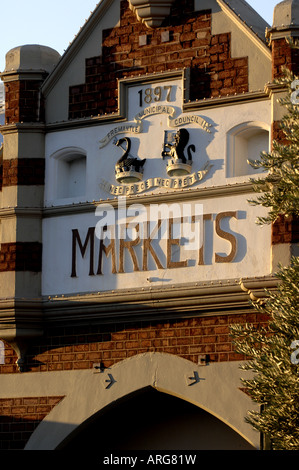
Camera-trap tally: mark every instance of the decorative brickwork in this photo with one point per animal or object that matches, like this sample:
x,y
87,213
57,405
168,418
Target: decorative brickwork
x,y
78,348
23,171
184,41
21,256
23,101
190,45
20,416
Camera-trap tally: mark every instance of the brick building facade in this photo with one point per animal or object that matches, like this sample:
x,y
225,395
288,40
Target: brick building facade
x,y
136,328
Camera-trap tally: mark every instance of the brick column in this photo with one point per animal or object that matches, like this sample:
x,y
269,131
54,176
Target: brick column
x,y
22,194
284,31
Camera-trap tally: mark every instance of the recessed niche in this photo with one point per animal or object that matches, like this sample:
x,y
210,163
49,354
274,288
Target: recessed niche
x,y
70,174
246,142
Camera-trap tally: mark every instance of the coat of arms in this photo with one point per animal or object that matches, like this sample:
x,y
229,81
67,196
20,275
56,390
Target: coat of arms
x,y
128,169
175,146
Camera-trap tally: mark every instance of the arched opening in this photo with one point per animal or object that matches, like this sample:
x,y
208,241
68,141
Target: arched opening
x,y
153,420
246,142
71,176
67,167
150,392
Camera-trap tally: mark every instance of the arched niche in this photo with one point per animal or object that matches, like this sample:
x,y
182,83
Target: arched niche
x,y
245,142
68,174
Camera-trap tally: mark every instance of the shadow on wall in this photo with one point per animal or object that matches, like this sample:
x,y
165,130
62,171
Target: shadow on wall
x,y
152,420
19,417
145,420
15,432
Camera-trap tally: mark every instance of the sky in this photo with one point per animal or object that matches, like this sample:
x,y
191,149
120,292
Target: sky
x,y
56,23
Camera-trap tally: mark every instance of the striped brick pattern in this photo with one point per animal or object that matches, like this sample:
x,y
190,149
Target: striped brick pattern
x,y
21,256
23,101
24,171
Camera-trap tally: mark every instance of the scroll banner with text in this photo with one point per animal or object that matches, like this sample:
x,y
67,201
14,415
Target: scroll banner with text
x,y
173,183
150,111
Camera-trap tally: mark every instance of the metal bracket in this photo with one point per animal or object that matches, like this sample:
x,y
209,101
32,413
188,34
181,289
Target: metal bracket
x,y
204,359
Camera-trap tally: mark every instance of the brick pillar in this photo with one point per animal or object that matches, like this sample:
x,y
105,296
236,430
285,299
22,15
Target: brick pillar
x,y
285,29
22,194
283,56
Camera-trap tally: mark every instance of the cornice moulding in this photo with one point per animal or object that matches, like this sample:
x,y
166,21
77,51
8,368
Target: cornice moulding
x,y
24,320
151,12
282,32
23,127
17,75
13,212
146,199
189,106
201,299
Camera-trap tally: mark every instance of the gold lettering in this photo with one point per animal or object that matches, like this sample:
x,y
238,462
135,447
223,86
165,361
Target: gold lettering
x,y
129,246
86,246
83,248
227,236
170,242
107,250
201,260
148,247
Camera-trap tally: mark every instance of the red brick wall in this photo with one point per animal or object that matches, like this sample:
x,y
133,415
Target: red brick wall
x,y
20,416
284,56
278,133
213,71
22,101
74,348
23,171
21,256
285,230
